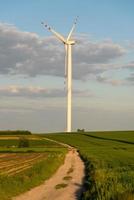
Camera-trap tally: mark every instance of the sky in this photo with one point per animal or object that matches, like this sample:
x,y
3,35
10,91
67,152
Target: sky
x,y
32,77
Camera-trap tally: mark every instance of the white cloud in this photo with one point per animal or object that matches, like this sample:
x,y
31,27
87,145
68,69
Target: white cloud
x,y
30,91
39,92
129,66
130,79
110,81
24,53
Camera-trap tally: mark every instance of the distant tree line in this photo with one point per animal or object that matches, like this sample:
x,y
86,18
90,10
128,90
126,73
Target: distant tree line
x,y
16,132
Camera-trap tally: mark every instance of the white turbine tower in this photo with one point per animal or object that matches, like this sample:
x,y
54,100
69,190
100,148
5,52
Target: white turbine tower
x,y
68,42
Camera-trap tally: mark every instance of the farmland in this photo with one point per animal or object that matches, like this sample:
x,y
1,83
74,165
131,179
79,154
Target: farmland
x,y
24,168
11,164
109,160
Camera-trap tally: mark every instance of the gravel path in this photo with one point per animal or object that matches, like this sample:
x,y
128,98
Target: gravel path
x,y
65,184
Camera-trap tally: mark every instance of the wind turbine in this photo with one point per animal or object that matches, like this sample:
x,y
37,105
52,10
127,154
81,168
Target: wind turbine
x,y
68,42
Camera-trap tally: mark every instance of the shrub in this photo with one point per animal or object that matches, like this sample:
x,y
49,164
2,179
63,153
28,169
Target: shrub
x,y
23,142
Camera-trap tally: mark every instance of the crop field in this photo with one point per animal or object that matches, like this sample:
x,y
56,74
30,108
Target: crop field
x,y
109,161
14,163
27,167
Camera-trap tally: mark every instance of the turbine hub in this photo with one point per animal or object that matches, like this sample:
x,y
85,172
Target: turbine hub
x,y
70,42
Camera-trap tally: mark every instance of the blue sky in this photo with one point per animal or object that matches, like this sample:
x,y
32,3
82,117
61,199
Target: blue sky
x,y
32,64
102,19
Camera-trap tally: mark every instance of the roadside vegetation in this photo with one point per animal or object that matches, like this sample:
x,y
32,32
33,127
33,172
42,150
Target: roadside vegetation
x,y
25,162
109,162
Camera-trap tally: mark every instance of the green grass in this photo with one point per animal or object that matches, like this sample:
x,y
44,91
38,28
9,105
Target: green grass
x,y
109,161
33,143
31,149
40,171
119,136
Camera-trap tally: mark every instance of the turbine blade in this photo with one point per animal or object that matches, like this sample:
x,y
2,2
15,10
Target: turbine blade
x,y
59,36
73,27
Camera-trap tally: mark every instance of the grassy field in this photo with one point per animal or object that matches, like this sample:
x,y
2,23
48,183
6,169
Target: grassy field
x,y
24,168
109,161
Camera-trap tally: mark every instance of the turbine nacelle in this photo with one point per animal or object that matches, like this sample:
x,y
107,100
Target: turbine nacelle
x,y
70,42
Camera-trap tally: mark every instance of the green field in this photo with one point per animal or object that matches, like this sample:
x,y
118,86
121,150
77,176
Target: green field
x,y
109,161
108,157
27,167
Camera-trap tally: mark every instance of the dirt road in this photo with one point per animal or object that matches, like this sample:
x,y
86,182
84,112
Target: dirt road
x,y
65,184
